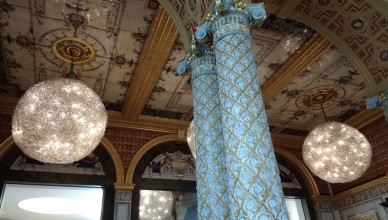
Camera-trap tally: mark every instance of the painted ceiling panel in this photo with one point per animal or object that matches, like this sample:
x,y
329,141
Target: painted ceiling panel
x,y
117,31
331,78
172,93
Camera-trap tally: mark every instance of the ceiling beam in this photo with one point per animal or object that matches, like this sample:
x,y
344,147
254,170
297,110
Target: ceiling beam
x,y
294,66
286,140
157,48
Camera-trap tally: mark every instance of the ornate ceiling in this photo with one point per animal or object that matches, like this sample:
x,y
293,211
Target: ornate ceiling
x,y
127,52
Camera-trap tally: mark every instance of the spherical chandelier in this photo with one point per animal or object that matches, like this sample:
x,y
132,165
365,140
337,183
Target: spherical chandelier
x,y
155,205
59,121
336,152
191,138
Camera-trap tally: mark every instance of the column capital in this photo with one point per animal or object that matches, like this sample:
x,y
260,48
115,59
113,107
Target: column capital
x,y
229,17
124,186
203,65
198,51
379,101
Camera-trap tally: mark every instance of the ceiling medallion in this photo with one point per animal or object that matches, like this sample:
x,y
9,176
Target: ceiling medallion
x,y
72,49
319,97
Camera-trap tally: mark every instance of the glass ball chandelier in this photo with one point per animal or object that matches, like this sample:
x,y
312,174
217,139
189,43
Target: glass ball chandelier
x,y
155,205
191,138
59,121
336,152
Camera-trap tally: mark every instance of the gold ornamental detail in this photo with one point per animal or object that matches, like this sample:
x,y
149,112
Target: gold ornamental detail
x,y
320,97
72,49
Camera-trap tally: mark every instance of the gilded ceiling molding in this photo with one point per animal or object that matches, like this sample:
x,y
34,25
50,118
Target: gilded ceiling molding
x,y
361,188
287,8
364,117
356,194
294,66
115,119
124,186
302,169
357,30
183,34
143,150
286,140
9,143
157,47
150,123
6,146
115,158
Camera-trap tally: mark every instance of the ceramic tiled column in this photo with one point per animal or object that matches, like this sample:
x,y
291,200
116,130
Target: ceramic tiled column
x,y
253,177
210,161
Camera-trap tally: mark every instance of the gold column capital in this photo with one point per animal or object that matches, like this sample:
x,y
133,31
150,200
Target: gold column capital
x,y
124,186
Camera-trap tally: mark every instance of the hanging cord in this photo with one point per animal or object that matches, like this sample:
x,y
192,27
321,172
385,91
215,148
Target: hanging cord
x,y
323,111
324,115
71,74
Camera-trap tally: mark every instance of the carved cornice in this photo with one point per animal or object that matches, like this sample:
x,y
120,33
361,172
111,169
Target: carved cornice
x,y
285,140
364,117
159,43
124,186
294,66
151,124
356,194
361,188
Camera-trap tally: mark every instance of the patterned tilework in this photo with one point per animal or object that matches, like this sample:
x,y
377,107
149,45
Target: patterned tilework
x,y
359,25
129,141
210,162
253,176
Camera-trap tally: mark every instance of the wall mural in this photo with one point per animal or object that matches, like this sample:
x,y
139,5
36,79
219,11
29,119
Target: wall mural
x,y
89,165
174,166
180,166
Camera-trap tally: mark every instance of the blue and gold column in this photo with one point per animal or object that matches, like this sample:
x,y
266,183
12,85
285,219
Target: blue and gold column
x,y
210,161
253,177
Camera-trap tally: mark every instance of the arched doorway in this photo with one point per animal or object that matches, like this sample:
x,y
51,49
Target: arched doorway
x,y
15,167
163,182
